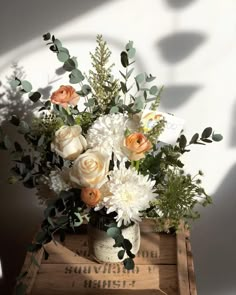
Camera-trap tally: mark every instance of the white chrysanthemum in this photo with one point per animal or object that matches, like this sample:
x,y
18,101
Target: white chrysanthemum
x,y
108,131
128,194
59,180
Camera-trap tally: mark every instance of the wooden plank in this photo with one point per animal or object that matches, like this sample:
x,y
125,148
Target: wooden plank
x,y
182,265
32,270
191,275
154,249
164,265
106,279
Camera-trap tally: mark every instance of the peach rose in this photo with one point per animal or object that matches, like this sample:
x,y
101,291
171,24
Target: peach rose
x,y
136,144
90,196
90,169
65,95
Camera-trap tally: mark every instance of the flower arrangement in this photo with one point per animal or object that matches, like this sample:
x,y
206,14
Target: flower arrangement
x,y
109,162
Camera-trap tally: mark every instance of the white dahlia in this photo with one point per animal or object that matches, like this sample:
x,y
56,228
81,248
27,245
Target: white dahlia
x,y
108,132
128,193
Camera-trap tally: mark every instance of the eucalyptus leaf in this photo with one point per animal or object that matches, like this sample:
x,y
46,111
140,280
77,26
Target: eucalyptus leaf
x,y
76,76
123,75
74,58
182,141
77,73
15,83
131,53
86,89
34,96
194,138
206,132
129,45
69,65
65,50
129,263
113,232
114,110
46,36
129,73
26,85
124,59
123,87
140,78
153,90
57,42
62,56
217,137
206,140
121,254
127,244
150,78
53,48
139,103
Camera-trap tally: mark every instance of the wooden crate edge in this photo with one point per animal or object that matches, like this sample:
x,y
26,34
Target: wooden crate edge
x,y
182,262
191,273
32,270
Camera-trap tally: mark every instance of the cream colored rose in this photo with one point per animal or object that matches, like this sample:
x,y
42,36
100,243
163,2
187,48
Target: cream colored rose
x,y
68,142
90,169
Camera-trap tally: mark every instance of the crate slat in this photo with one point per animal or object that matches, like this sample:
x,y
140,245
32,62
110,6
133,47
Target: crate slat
x,y
164,265
87,277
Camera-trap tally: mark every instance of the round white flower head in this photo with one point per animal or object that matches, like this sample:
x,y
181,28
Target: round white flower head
x,y
59,180
108,132
128,193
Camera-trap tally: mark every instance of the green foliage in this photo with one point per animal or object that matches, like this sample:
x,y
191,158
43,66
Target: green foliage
x,y
116,233
178,192
105,88
155,132
207,136
178,196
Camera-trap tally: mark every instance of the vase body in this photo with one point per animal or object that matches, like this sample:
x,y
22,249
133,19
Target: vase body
x,y
101,245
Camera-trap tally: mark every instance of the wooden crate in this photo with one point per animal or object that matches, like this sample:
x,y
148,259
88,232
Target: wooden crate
x,y
164,265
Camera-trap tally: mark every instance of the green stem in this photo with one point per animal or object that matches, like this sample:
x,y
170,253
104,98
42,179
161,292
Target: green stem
x,y
137,165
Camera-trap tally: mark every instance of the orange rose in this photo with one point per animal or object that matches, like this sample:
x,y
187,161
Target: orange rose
x,y
136,145
65,95
90,196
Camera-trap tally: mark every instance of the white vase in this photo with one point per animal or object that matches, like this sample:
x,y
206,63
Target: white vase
x,y
101,245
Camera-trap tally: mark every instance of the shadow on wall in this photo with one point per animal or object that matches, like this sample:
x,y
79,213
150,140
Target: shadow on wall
x,y
178,46
21,213
233,129
17,31
174,96
179,4
213,243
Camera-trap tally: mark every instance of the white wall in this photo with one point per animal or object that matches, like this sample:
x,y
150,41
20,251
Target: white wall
x,y
190,45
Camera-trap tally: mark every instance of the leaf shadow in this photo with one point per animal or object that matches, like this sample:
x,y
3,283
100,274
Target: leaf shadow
x,y
179,4
178,46
214,240
174,96
233,128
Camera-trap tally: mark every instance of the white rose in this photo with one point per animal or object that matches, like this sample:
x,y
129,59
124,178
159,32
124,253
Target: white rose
x,y
68,142
90,169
